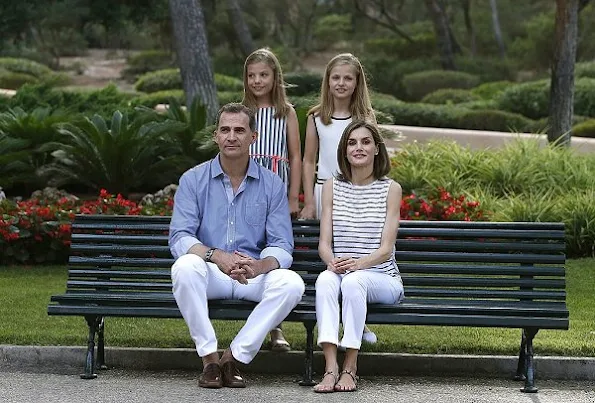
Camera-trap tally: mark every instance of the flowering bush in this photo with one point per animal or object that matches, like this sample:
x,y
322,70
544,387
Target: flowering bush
x,y
440,205
38,230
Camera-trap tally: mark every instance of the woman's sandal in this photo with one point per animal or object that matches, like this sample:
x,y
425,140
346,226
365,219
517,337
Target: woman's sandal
x,y
352,375
332,389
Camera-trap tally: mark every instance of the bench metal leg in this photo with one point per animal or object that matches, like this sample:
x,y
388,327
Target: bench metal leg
x,y
309,360
529,363
92,322
521,368
101,345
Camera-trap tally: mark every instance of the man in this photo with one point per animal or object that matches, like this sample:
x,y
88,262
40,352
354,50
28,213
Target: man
x,y
231,236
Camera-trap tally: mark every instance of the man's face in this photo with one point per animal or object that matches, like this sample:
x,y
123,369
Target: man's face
x,y
233,135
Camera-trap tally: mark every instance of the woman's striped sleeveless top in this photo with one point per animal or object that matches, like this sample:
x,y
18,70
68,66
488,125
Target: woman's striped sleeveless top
x,y
359,214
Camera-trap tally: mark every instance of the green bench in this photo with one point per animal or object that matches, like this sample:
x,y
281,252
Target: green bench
x,y
479,274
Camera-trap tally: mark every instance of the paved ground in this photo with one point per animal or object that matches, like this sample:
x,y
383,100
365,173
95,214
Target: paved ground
x,y
52,385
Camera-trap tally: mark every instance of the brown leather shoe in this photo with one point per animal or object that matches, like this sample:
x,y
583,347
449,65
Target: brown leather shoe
x,y
231,376
211,377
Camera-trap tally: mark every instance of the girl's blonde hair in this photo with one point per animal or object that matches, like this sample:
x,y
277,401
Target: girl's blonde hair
x,y
360,106
278,95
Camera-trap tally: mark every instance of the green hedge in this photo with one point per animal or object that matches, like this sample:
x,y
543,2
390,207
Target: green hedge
x,y
146,61
447,96
13,81
584,129
491,90
541,126
25,66
423,46
300,84
492,120
170,79
419,84
532,99
163,97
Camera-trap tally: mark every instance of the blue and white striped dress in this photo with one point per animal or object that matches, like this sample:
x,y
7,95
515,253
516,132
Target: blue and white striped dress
x,y
359,214
270,148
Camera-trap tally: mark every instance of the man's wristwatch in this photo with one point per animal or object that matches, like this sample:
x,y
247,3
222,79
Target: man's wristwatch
x,y
209,255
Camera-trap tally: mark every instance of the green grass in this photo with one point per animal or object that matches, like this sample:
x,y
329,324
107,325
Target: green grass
x,y
26,292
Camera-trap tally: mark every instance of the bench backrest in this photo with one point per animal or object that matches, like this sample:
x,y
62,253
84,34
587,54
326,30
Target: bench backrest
x,y
437,259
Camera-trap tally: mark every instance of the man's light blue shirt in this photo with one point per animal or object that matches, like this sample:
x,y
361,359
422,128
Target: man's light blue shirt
x,y
255,220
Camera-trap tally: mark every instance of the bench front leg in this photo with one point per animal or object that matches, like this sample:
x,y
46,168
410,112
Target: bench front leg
x,y
521,367
93,323
309,359
529,362
101,345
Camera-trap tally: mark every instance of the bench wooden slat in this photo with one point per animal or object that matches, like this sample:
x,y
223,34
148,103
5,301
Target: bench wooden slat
x,y
145,276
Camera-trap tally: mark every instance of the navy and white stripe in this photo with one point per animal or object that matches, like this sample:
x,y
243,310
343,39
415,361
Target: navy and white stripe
x,y
270,148
359,214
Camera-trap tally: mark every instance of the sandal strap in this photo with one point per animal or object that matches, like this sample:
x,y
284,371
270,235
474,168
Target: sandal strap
x,y
351,374
330,373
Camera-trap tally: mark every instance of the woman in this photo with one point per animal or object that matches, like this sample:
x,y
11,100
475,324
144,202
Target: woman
x,y
358,230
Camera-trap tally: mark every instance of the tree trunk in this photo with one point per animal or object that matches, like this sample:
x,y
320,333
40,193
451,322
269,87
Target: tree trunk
x,y
497,30
192,49
562,82
243,34
466,4
442,31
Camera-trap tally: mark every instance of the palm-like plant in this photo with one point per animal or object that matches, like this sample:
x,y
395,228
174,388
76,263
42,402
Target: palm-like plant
x,y
189,131
29,131
13,154
121,157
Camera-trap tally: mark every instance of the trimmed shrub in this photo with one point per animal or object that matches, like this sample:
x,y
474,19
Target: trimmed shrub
x,y
584,97
541,126
25,66
423,45
447,96
226,97
300,84
417,114
492,120
160,80
417,85
532,99
492,89
481,104
306,102
227,83
146,61
584,129
13,81
385,74
170,79
584,69
487,68
529,99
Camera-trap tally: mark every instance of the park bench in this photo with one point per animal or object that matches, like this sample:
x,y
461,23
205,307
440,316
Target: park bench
x,y
478,274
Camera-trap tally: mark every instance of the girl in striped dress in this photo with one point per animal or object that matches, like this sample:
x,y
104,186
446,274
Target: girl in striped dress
x,y
277,146
358,231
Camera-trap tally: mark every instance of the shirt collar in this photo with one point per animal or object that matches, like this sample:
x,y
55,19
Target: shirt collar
x,y
217,170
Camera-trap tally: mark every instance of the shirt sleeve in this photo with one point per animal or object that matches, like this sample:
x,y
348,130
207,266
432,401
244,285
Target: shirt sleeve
x,y
279,233
185,218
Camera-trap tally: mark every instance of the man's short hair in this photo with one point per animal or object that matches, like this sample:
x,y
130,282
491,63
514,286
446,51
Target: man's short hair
x,y
235,107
